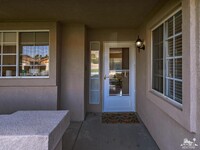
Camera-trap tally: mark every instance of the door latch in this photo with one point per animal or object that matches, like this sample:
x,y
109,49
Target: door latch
x,y
105,77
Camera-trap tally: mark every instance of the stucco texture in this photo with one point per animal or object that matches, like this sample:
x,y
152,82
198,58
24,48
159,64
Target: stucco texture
x,y
168,132
31,93
105,35
72,70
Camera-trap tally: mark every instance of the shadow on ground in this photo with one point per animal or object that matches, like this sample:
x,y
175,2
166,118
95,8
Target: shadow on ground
x,y
91,134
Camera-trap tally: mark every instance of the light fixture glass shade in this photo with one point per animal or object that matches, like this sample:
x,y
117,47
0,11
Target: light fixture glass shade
x,y
138,43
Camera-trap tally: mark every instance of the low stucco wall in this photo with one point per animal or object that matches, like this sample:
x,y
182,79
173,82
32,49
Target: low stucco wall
x,y
27,98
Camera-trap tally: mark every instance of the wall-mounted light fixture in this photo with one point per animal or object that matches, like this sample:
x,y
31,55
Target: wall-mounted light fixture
x,y
140,44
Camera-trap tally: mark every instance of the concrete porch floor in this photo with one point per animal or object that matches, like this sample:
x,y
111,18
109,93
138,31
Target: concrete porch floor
x,y
91,134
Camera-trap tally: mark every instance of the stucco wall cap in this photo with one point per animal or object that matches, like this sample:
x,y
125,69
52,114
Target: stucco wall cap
x,y
32,129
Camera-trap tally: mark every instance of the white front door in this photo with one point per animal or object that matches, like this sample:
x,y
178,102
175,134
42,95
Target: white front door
x,y
119,77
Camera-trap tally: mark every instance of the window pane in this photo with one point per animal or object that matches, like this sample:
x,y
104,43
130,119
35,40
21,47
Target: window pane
x,y
27,37
27,49
158,84
34,54
171,72
170,48
94,84
160,53
41,54
34,60
170,27
178,46
119,83
94,64
94,91
119,72
178,22
170,68
115,59
9,71
9,49
119,59
158,67
156,52
125,58
155,67
9,60
158,59
178,68
9,37
169,88
42,37
178,91
94,97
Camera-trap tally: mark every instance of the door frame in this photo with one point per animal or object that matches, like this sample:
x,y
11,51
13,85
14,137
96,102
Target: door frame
x,y
120,44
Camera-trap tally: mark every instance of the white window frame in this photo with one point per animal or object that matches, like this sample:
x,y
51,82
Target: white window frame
x,y
186,113
17,55
165,58
90,89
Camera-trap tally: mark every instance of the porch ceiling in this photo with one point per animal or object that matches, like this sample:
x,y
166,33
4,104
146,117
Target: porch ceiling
x,y
93,13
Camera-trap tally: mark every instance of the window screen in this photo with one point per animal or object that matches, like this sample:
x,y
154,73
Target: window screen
x,y
167,58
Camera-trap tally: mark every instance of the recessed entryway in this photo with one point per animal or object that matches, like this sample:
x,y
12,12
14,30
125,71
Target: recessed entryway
x,y
91,134
119,77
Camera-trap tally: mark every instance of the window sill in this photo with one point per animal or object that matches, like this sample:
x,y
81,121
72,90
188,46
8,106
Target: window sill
x,y
174,110
165,98
23,77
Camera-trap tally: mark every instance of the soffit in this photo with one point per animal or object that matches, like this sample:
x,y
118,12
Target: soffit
x,y
93,13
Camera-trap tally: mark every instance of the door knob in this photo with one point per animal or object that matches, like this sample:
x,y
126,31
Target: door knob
x,y
105,77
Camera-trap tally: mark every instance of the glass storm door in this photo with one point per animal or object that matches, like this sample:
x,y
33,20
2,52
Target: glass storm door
x,y
119,78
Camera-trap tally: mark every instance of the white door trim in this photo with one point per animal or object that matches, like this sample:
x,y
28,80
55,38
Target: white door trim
x,y
131,46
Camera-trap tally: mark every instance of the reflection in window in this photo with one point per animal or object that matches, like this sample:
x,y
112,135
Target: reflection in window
x,y
167,78
119,72
34,54
8,54
24,54
94,64
94,93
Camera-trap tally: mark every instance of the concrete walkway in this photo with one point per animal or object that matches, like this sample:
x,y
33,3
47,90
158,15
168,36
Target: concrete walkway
x,y
93,135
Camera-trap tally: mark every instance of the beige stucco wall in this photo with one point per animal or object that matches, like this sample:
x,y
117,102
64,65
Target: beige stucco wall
x,y
198,64
30,94
64,89
72,70
27,98
103,35
167,131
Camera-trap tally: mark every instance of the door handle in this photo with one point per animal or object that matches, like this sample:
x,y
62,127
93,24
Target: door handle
x,y
105,77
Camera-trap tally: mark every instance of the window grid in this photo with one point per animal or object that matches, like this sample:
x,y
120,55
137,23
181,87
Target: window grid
x,y
158,60
17,43
164,60
172,48
173,58
17,54
94,82
3,54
